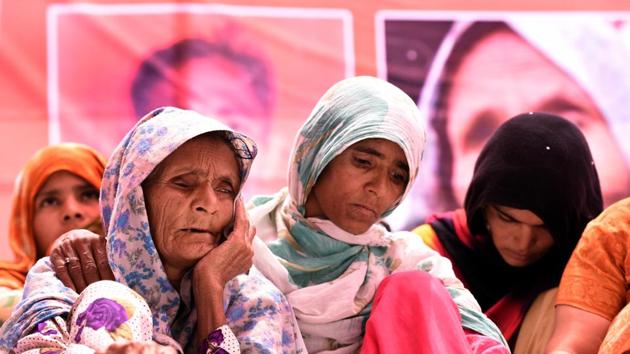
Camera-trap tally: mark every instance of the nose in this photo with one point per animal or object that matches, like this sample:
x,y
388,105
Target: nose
x,y
525,239
205,200
377,183
73,210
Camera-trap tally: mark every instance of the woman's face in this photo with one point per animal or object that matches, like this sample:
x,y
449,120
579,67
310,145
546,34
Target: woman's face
x,y
503,76
359,185
519,235
190,200
216,87
65,202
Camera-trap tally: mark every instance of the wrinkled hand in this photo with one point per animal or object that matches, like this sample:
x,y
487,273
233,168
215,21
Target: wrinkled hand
x,y
138,347
79,258
232,257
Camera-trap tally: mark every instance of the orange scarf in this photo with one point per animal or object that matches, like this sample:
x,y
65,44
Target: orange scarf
x,y
78,159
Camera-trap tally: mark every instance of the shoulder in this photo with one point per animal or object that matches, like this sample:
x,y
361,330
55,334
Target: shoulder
x,y
610,231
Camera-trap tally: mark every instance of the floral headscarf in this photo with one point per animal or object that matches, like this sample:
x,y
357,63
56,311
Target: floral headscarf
x,y
256,312
132,254
81,160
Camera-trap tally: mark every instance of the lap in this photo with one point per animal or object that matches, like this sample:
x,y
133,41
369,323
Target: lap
x,y
106,312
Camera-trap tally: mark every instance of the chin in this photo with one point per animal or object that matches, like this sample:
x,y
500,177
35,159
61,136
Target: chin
x,y
354,229
518,263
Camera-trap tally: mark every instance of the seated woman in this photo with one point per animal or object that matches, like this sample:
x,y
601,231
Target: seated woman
x,y
56,191
322,244
534,189
593,315
177,239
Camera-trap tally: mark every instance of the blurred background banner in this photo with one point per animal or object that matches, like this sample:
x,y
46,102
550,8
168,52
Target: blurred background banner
x,y
260,69
87,71
471,71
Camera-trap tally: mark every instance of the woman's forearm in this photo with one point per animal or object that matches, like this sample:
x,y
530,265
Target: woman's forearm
x,y
210,311
576,331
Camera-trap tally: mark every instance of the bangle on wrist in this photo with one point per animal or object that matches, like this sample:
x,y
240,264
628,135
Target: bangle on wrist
x,y
212,343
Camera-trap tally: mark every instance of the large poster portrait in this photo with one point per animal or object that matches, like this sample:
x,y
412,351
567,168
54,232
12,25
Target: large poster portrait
x,y
258,69
471,72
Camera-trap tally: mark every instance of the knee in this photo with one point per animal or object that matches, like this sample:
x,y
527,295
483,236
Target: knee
x,y
111,289
410,283
112,307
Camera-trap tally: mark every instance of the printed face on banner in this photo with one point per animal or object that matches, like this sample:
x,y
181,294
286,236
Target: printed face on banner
x,y
481,99
244,65
471,77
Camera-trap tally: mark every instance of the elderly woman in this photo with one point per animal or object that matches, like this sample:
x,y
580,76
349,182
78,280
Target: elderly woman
x,y
177,237
353,284
56,191
534,189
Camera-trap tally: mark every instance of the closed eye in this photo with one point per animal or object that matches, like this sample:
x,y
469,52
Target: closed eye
x,y
506,217
182,183
400,178
362,163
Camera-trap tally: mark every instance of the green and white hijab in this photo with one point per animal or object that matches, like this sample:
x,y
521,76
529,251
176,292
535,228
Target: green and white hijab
x,y
329,275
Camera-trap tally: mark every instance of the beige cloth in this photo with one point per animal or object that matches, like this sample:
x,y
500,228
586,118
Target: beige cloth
x,y
537,325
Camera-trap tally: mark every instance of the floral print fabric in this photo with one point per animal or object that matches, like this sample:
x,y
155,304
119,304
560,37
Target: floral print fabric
x,y
96,322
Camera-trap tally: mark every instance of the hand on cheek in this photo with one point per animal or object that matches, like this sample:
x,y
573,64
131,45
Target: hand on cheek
x,y
232,257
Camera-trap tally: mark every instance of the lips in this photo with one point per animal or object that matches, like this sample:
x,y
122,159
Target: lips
x,y
519,256
195,230
365,210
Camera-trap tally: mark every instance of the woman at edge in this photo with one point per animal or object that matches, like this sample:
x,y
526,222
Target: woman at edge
x,y
534,189
55,192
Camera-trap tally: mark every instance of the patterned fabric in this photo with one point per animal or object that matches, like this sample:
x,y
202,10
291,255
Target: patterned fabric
x,y
220,341
256,311
617,338
82,161
329,275
45,298
96,322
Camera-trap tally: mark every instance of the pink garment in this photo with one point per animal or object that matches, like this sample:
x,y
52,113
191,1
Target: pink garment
x,y
412,312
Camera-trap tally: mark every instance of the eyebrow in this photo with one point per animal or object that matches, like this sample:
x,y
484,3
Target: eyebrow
x,y
482,125
55,191
230,177
48,193
560,103
378,154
